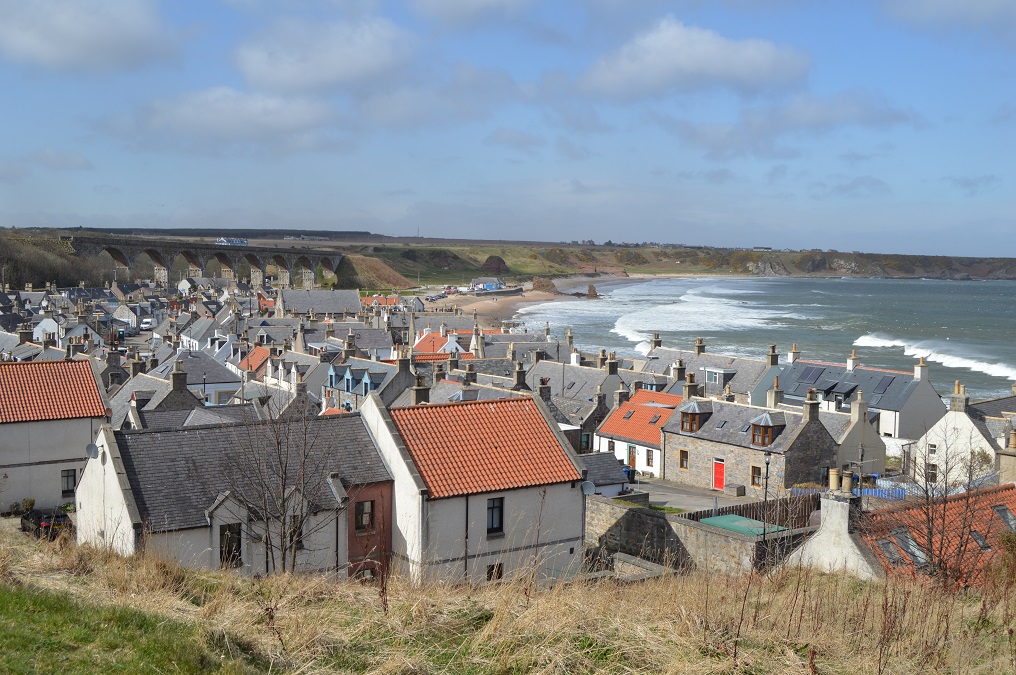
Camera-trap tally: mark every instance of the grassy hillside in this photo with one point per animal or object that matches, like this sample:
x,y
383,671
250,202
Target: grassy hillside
x,y
70,609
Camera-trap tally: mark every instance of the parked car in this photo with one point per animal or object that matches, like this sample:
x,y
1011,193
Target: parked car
x,y
45,522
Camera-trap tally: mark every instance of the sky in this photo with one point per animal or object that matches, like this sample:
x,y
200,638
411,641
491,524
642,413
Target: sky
x,y
870,125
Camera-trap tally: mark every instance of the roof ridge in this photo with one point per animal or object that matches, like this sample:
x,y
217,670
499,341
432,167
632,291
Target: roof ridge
x,y
947,500
465,403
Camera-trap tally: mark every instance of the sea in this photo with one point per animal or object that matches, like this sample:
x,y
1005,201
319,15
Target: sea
x,y
966,330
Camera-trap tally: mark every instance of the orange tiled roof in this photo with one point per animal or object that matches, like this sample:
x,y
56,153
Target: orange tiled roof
x,y
255,358
483,446
639,426
381,301
48,390
485,331
431,343
426,358
954,551
327,412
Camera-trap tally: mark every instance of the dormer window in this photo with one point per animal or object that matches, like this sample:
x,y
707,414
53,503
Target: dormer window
x,y
761,435
690,421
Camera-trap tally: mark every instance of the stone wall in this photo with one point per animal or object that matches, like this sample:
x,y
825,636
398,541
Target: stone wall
x,y
674,541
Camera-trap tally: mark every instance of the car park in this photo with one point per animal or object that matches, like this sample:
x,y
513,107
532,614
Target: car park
x,y
46,523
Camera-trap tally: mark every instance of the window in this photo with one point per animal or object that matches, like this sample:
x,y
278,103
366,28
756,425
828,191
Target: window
x,y
931,473
722,424
689,422
296,532
932,448
649,456
229,546
756,476
712,377
981,541
495,516
364,516
906,542
68,479
684,459
610,446
495,572
584,444
628,414
656,418
1003,512
891,553
761,435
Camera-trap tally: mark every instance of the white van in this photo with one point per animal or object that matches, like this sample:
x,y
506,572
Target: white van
x,y
147,324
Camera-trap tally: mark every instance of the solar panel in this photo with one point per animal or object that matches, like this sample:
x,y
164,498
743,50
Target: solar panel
x,y
883,384
811,374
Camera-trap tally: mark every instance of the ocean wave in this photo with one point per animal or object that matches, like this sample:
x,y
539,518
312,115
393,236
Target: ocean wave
x,y
931,351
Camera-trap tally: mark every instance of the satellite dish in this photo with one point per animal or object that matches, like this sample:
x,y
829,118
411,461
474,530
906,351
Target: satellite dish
x,y
588,488
92,451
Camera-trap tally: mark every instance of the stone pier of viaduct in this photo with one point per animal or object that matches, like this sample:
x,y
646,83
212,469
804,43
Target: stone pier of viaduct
x,y
291,264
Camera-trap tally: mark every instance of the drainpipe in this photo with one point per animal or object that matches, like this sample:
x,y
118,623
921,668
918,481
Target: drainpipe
x,y
465,558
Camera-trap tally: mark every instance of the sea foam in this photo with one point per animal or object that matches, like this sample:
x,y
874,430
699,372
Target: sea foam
x,y
930,350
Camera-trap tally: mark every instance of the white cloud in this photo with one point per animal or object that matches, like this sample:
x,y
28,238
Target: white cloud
x,y
82,35
455,11
211,120
758,130
675,57
61,161
303,56
468,94
516,139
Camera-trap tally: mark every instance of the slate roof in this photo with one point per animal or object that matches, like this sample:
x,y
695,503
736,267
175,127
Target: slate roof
x,y
634,419
730,423
51,390
321,302
883,389
567,380
199,367
602,468
958,518
176,475
450,391
570,410
484,446
120,402
747,372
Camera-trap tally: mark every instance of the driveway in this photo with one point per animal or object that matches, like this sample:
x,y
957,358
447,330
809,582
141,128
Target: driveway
x,y
686,497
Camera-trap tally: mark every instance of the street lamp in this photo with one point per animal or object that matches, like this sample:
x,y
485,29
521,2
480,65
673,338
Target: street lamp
x,y
765,506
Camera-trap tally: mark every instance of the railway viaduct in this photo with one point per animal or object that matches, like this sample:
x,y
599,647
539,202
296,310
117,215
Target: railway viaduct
x,y
291,264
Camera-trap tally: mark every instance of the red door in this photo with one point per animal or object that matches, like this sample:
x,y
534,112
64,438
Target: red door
x,y
718,470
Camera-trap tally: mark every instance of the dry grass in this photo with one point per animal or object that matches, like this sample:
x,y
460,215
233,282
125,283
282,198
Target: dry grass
x,y
791,621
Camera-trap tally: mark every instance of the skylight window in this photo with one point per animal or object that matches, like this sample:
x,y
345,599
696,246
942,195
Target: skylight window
x,y
628,414
891,552
981,541
1006,515
912,549
745,428
883,384
656,418
721,424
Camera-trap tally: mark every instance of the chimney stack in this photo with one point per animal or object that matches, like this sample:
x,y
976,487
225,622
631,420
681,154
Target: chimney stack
x,y
774,397
700,346
793,355
544,388
470,375
677,370
834,479
690,389
178,377
575,358
853,360
404,361
453,361
24,334
420,391
538,355
520,378
959,400
859,408
611,365
570,339
601,359
847,481
600,399
773,359
1007,461
921,370
656,341
810,407
621,396
546,330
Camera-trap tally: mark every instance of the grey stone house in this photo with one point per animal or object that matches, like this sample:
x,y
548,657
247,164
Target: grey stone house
x,y
712,443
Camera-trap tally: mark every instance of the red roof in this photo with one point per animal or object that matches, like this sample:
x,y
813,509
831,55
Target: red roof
x,y
483,446
952,548
380,300
255,358
633,420
425,358
48,390
431,343
469,331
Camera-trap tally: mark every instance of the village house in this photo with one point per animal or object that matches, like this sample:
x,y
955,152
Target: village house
x,y
717,375
632,432
484,490
713,444
234,496
49,413
907,403
297,303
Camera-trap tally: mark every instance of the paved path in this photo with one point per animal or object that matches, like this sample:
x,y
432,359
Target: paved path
x,y
689,498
